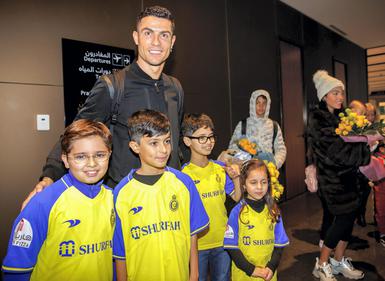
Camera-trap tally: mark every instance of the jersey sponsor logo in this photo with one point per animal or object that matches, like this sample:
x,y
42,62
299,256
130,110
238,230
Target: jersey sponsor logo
x,y
135,210
246,240
138,232
72,223
214,193
196,181
69,249
23,234
249,226
174,203
229,233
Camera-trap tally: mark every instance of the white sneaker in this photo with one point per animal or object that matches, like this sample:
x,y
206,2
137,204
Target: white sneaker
x,y
382,240
324,271
345,267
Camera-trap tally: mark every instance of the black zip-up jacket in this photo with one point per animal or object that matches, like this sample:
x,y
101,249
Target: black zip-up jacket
x,y
140,92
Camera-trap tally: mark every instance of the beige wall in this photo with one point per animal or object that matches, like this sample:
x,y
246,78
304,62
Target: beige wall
x,y
31,82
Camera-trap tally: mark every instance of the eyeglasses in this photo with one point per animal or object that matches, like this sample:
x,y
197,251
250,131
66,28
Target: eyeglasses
x,y
83,159
204,139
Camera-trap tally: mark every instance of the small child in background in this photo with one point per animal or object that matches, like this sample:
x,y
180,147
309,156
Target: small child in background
x,y
360,108
65,232
379,197
255,235
213,185
158,209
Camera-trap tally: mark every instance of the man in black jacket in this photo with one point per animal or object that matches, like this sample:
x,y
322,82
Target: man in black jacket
x,y
145,86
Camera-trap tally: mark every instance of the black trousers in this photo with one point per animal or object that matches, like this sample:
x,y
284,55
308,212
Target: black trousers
x,y
340,229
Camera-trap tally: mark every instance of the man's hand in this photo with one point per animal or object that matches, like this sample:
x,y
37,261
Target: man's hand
x,y
38,188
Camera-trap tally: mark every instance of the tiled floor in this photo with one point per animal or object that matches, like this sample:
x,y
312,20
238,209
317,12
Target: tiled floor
x,y
302,217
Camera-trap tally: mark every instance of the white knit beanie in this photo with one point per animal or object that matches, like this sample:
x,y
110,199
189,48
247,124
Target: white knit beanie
x,y
324,83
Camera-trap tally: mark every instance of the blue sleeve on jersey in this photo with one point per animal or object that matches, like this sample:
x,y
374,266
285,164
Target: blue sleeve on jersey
x,y
229,184
118,240
232,229
16,276
281,238
199,220
29,230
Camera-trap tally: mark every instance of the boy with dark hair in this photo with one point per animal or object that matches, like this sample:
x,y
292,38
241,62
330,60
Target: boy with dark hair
x,y
65,232
159,211
213,185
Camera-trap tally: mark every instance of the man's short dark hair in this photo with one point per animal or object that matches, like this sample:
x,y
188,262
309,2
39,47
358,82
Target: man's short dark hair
x,y
148,123
195,121
156,11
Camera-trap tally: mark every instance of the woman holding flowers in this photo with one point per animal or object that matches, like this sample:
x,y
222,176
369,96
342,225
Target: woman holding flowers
x,y
337,163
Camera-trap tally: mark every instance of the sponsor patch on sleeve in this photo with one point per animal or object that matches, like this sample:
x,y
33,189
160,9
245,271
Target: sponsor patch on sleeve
x,y
229,232
23,235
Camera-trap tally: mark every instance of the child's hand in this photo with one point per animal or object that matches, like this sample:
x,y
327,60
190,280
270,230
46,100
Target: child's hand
x,y
270,274
232,171
260,272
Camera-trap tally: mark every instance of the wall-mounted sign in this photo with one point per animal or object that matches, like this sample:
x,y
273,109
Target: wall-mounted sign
x,y
83,64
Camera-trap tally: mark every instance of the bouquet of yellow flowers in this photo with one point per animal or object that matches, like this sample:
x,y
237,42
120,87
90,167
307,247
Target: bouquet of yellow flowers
x,y
276,188
246,145
356,128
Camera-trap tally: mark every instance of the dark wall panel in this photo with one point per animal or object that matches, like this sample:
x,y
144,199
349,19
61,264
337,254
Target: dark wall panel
x,y
321,46
253,54
199,60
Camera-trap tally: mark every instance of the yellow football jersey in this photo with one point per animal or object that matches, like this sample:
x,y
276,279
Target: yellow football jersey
x,y
154,225
255,235
63,234
213,184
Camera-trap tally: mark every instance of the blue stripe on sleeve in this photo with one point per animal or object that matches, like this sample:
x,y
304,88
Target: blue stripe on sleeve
x,y
33,222
281,238
232,228
119,251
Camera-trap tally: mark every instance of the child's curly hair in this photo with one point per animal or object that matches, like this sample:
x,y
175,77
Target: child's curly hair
x,y
272,206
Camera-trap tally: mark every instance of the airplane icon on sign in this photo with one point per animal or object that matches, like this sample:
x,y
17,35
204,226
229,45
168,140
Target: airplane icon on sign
x,y
126,60
117,59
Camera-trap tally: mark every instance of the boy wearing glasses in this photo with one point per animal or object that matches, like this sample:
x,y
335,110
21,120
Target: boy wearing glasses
x,y
158,209
65,232
213,183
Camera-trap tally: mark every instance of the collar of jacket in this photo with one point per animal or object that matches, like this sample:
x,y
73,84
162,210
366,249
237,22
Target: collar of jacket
x,y
135,68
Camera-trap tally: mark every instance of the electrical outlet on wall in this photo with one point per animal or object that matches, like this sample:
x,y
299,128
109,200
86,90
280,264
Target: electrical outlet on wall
x,y
42,122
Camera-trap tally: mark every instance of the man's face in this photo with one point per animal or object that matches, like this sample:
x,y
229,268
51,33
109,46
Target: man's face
x,y
260,106
153,152
154,38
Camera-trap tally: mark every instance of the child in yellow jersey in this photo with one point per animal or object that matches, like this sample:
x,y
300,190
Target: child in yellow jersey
x,y
213,185
255,235
159,211
65,232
